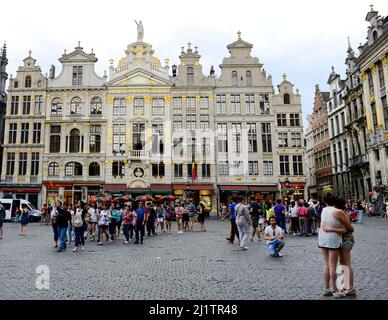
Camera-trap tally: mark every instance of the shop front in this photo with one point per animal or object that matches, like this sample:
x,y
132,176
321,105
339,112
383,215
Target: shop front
x,y
263,193
230,192
31,194
198,193
293,191
159,190
257,192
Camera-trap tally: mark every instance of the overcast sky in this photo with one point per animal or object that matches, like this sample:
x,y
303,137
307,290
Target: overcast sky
x,y
302,38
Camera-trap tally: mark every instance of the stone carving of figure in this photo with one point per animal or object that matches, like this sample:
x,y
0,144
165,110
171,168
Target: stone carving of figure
x,y
140,31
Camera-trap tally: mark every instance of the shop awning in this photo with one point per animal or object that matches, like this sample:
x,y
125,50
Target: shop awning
x,y
161,187
263,188
20,190
193,186
233,188
115,187
137,190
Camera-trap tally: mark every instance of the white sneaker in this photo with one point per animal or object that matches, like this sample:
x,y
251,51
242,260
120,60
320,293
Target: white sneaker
x,y
82,248
245,248
125,242
75,249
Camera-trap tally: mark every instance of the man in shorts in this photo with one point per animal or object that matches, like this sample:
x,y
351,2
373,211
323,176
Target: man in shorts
x,y
192,212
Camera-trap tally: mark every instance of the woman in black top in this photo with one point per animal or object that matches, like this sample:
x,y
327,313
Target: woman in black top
x,y
201,216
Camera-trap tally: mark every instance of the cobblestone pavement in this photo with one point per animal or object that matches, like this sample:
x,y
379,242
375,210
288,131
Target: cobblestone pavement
x,y
198,265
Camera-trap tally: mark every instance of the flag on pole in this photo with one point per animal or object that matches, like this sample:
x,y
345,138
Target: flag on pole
x,y
193,170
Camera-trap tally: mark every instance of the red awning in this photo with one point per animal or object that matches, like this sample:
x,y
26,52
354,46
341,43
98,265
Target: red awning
x,y
294,185
233,188
192,187
263,188
161,187
21,190
115,187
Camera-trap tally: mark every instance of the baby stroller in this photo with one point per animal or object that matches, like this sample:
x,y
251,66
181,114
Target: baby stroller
x,y
353,215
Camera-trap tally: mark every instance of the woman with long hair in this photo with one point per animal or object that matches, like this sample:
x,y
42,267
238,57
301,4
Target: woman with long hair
x,y
330,242
201,216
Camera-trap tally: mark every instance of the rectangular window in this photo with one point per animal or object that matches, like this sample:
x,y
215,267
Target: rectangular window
x,y
205,147
34,163
178,147
10,163
157,139
14,105
158,107
283,140
119,107
266,137
12,133
119,137
385,111
191,122
264,103
281,120
22,163
138,136
177,102
36,133
222,135
204,102
252,137
253,168
206,170
38,104
221,104
118,169
268,168
236,137
223,168
296,141
370,83
294,120
190,171
238,168
190,76
235,102
77,75
138,106
158,170
297,165
191,147
284,165
178,170
95,139
24,133
26,104
177,122
374,114
190,102
380,70
204,122
250,104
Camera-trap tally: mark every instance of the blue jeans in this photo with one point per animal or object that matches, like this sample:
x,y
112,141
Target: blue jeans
x,y
79,235
274,245
62,237
69,232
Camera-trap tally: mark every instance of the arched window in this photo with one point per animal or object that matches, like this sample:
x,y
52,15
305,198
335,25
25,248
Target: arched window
x,y
28,82
76,106
248,77
234,79
94,169
56,106
190,75
75,140
96,106
16,84
374,35
39,84
53,169
73,169
286,98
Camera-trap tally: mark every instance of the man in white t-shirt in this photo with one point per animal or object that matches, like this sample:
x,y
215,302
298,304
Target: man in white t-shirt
x,y
275,238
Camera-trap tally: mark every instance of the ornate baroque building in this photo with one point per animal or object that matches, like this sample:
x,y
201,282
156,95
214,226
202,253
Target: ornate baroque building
x,y
372,63
141,128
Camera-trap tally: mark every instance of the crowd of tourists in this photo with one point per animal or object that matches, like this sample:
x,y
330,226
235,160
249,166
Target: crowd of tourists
x,y
107,222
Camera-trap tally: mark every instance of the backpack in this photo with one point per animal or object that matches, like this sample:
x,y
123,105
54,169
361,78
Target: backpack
x,y
78,220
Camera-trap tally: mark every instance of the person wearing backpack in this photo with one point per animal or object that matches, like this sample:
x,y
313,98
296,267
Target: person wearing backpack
x,y
79,225
243,221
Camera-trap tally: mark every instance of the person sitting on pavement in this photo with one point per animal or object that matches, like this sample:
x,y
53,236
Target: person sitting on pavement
x,y
275,238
